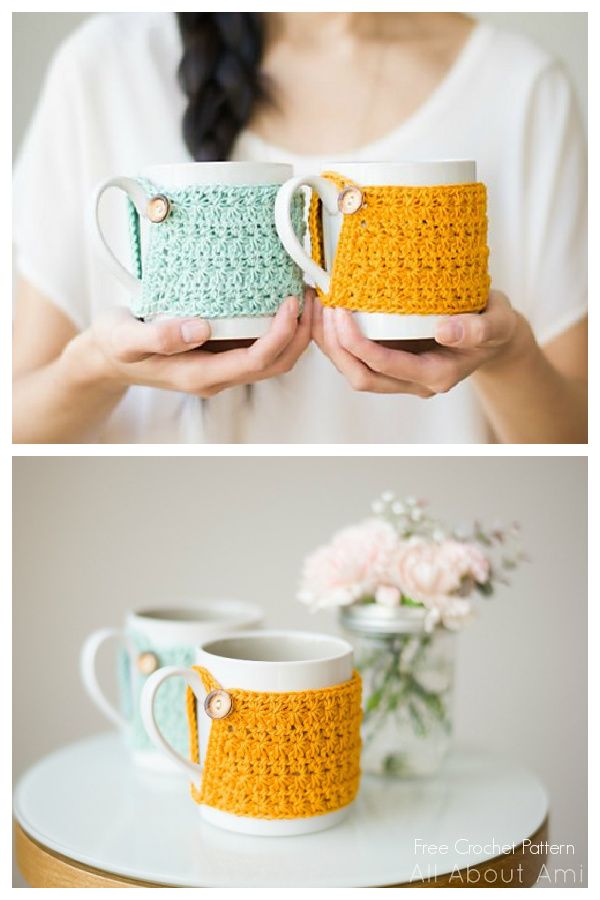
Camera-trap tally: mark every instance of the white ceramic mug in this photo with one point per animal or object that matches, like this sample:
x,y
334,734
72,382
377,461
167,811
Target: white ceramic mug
x,y
376,326
183,176
150,639
273,661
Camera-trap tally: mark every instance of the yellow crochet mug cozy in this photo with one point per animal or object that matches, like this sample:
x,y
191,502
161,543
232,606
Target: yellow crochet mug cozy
x,y
399,244
274,724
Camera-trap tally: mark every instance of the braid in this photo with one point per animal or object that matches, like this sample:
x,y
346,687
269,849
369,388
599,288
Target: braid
x,y
219,73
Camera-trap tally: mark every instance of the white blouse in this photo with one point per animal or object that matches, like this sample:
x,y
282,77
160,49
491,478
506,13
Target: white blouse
x,y
111,106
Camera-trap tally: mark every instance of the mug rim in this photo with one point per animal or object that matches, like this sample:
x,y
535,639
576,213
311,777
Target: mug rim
x,y
237,609
409,173
399,163
277,172
345,648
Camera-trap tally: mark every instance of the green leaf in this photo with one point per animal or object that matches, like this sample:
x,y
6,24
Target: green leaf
x,y
373,701
486,589
393,764
406,601
393,701
432,701
417,719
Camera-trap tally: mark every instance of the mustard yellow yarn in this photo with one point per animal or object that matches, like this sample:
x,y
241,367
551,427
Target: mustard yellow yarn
x,y
410,250
280,755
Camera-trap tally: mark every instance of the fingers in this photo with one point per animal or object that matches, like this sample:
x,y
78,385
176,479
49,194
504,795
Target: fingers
x,y
346,364
248,364
430,372
129,340
491,328
394,363
359,374
271,345
435,371
290,355
206,373
317,324
294,350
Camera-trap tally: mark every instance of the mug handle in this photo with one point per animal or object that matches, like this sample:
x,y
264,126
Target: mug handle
x,y
138,198
193,681
328,194
87,667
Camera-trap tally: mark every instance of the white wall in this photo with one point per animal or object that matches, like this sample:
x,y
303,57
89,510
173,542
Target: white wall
x,y
95,536
36,35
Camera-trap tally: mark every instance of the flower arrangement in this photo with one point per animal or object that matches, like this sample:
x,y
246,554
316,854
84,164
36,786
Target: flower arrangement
x,y
403,556
404,582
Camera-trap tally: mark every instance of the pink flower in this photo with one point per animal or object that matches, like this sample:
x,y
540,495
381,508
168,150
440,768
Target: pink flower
x,y
466,560
350,567
426,571
418,570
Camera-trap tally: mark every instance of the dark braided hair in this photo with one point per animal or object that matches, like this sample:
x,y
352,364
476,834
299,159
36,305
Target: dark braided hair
x,y
220,75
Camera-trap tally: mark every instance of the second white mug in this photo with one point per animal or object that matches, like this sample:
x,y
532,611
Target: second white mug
x,y
210,247
150,639
374,325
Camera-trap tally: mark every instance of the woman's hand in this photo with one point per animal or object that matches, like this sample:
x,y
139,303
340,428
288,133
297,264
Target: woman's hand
x,y
467,342
67,383
167,353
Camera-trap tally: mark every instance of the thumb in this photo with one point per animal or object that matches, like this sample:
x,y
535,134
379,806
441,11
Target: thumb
x,y
491,328
129,340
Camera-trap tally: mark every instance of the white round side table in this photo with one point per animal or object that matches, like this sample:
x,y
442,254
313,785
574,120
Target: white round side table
x,y
85,817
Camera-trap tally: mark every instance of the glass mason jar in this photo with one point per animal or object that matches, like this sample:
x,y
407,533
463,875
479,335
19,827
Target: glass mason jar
x,y
408,677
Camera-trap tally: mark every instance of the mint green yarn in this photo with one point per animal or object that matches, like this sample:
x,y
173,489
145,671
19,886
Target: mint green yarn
x,y
170,702
217,254
135,239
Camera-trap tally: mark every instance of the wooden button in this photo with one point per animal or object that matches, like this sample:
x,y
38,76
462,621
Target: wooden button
x,y
350,200
218,704
147,663
158,208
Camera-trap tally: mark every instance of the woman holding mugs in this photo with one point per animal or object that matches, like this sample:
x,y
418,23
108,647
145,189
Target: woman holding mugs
x,y
303,89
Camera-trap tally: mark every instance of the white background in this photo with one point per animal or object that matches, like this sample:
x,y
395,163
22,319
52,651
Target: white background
x,y
95,536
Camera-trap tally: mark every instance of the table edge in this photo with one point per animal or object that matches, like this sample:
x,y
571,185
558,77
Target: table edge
x,y
48,868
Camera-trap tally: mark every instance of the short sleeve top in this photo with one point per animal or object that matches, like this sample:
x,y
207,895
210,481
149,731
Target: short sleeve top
x,y
111,105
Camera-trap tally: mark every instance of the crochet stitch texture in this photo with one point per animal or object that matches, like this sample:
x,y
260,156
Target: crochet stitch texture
x,y
216,255
410,250
169,706
280,755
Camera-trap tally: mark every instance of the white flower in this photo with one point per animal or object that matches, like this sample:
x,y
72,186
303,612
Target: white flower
x,y
451,612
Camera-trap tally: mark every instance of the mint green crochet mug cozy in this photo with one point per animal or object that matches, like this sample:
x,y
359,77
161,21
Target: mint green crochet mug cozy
x,y
148,640
204,243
